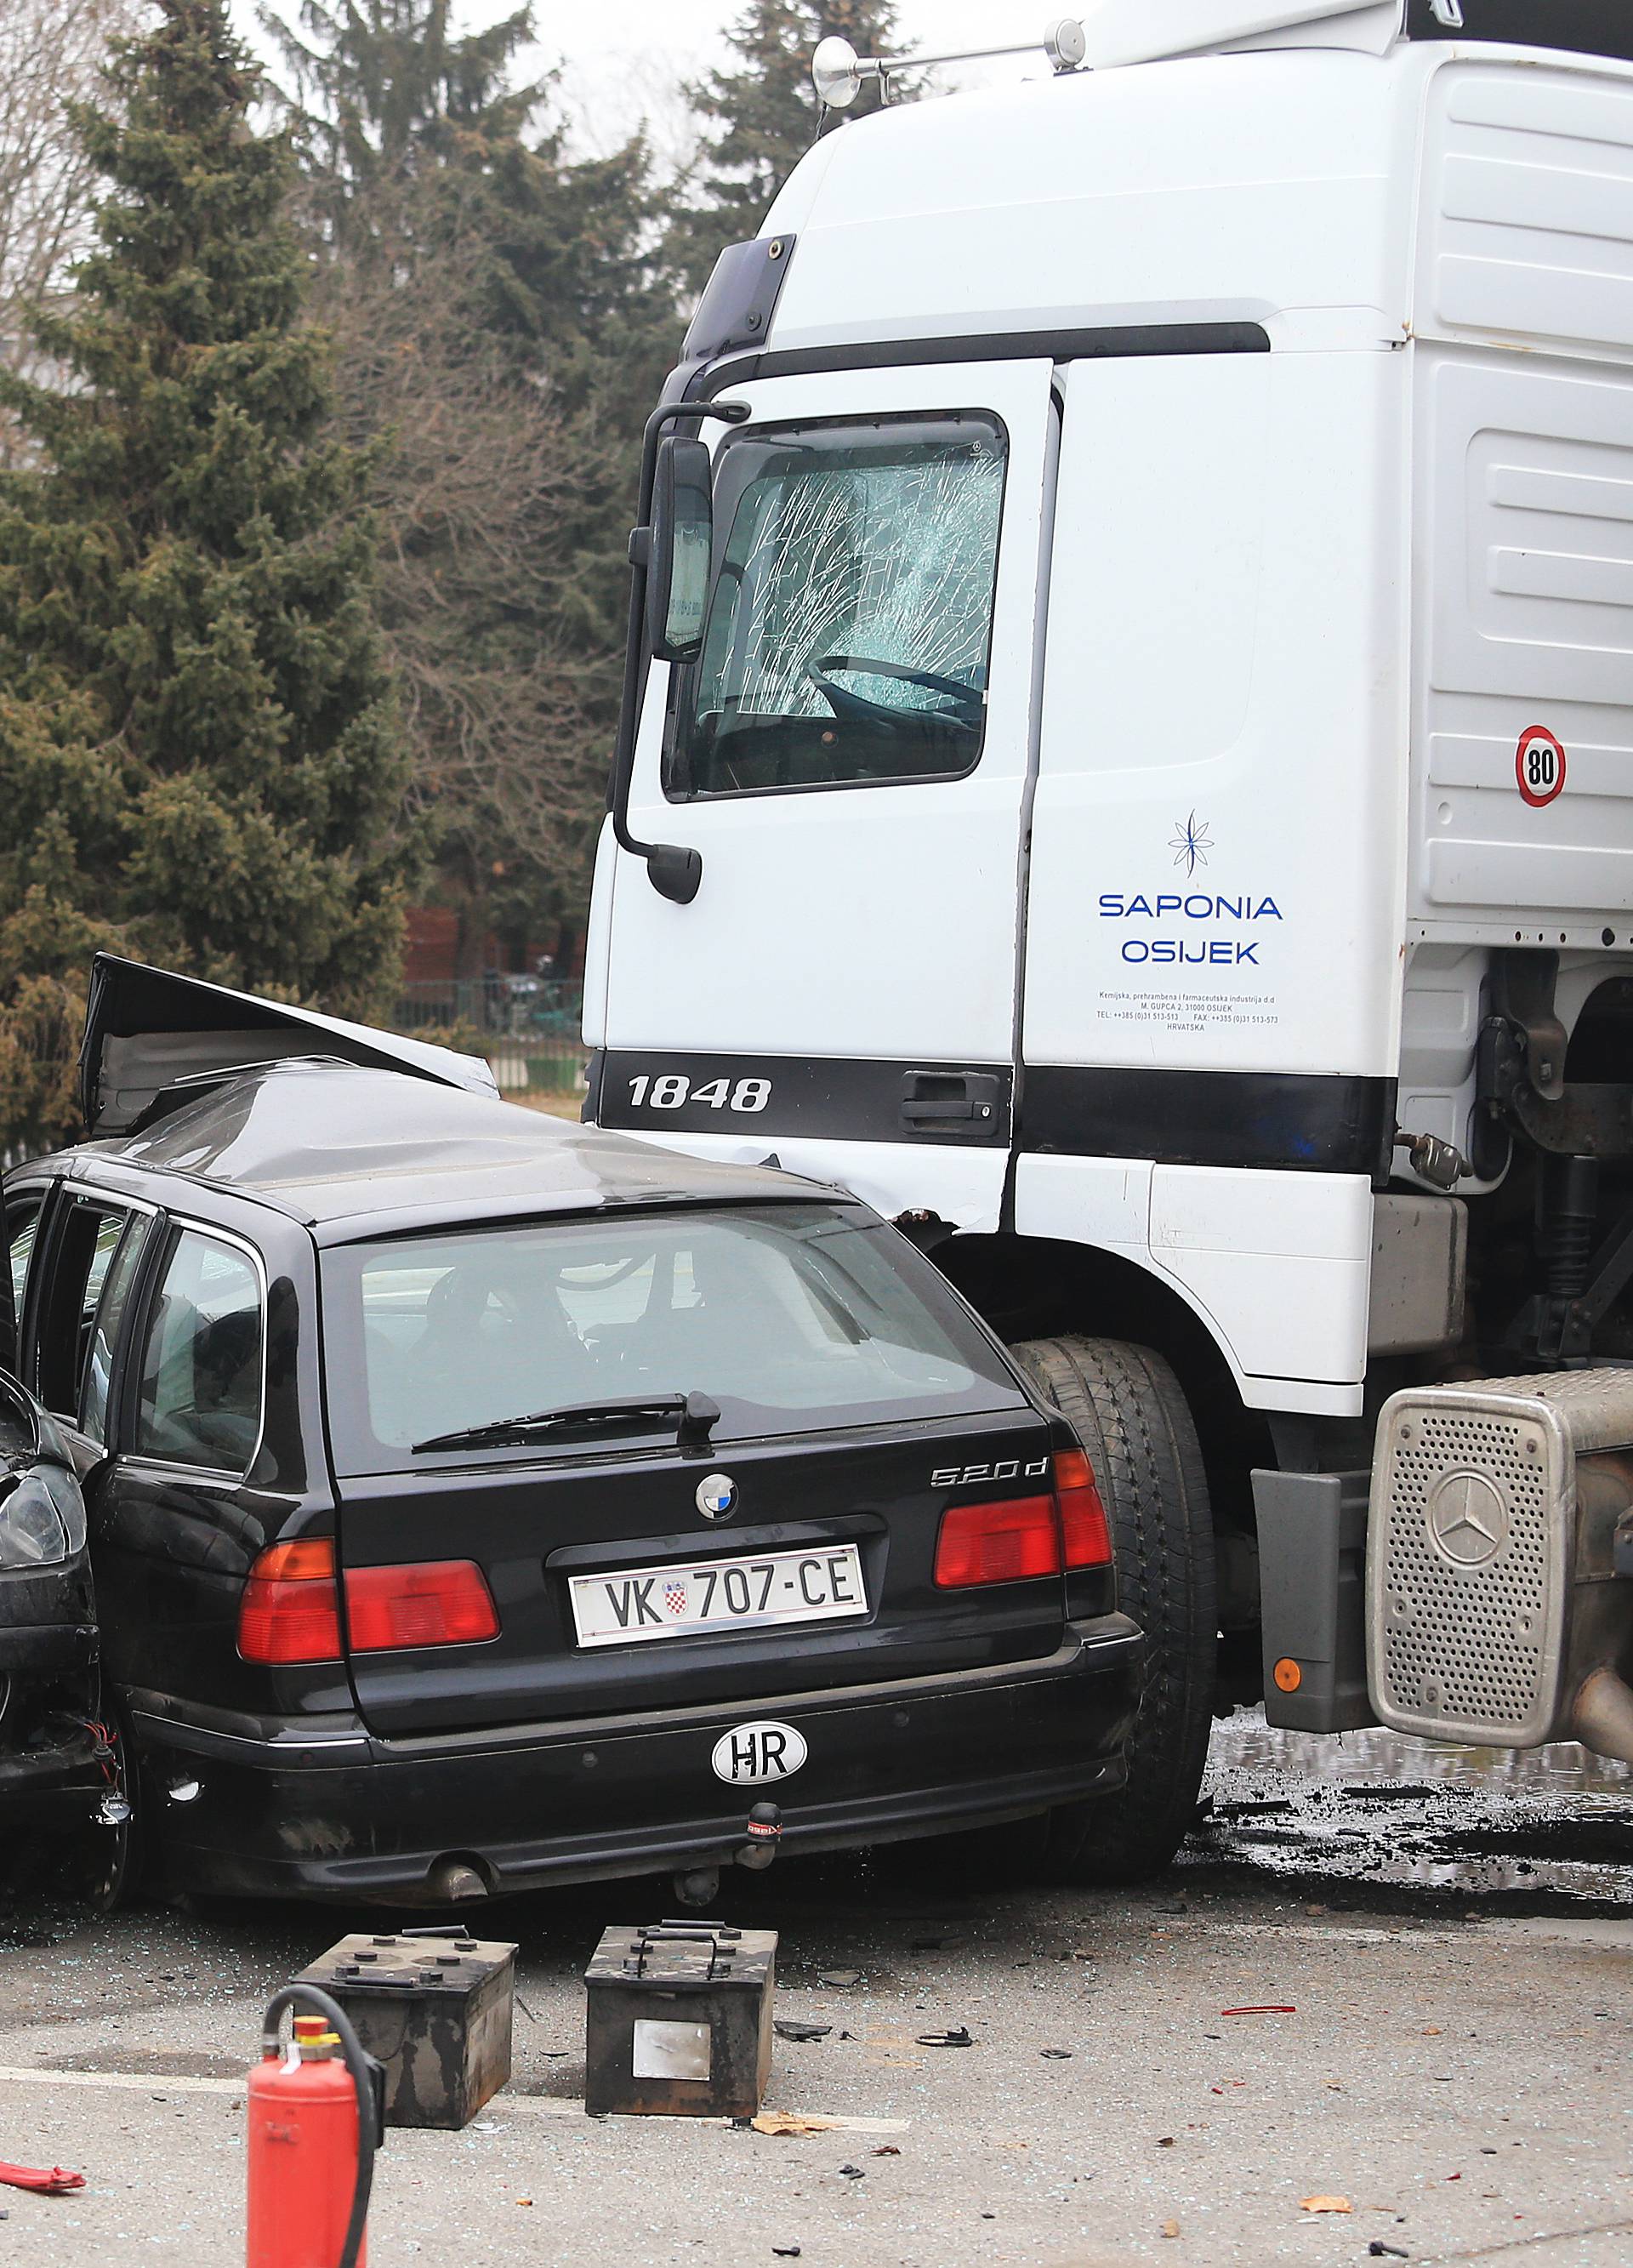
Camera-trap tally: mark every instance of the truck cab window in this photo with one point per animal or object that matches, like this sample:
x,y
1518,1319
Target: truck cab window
x,y
850,623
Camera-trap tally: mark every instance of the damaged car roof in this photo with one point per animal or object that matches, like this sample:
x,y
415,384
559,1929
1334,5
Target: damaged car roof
x,y
343,1148
151,1034
347,1130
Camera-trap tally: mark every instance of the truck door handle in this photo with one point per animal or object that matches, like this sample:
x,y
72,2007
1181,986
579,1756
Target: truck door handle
x,y
937,1101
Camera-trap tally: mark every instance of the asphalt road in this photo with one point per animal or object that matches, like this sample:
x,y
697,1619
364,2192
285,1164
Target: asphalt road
x,y
1452,1945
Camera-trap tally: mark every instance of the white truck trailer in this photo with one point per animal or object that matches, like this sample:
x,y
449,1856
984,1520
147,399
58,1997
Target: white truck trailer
x,y
1128,764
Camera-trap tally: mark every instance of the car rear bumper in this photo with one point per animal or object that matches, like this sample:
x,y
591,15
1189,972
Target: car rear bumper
x,y
328,1811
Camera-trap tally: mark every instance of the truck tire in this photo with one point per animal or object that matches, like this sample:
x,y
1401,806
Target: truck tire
x,y
1129,1412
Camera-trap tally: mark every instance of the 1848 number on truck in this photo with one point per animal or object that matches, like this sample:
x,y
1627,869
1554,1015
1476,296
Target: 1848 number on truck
x,y
674,1091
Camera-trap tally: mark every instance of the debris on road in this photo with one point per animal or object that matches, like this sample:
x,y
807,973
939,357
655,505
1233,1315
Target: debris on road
x,y
676,2021
787,2029
1326,2205
789,2121
435,2010
841,1978
958,2037
1275,2009
49,2181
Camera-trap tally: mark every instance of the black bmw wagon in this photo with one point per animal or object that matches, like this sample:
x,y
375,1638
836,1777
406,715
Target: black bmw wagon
x,y
478,1501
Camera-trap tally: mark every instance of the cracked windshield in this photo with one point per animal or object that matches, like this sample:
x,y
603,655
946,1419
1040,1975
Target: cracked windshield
x,y
848,633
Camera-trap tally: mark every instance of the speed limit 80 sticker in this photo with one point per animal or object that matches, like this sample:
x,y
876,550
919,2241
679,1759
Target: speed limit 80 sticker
x,y
1540,766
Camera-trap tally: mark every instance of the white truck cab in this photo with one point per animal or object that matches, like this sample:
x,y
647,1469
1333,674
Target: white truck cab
x,y
1143,795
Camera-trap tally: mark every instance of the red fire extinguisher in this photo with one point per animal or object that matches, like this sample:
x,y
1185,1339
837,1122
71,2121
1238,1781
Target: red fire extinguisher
x,y
314,2125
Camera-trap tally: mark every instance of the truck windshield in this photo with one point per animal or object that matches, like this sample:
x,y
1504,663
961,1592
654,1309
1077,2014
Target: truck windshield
x,y
851,619
792,1318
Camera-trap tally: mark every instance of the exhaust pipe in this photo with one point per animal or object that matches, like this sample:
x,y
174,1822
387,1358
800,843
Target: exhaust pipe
x,y
451,1881
1603,1718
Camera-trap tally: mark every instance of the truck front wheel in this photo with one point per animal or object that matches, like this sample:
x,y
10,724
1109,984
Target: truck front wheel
x,y
1128,1410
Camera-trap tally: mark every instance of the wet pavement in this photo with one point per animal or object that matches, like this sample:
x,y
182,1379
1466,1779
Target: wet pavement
x,y
1526,1829
1381,1975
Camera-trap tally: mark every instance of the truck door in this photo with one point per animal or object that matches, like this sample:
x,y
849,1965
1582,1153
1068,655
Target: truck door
x,y
851,755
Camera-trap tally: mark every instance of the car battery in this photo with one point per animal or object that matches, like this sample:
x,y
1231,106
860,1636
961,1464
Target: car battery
x,y
436,2011
679,2020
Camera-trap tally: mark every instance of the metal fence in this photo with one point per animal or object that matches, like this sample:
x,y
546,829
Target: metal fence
x,y
528,1027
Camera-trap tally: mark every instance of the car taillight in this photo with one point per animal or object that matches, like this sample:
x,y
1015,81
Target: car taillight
x,y
1026,1536
291,1608
1004,1542
431,1602
1084,1530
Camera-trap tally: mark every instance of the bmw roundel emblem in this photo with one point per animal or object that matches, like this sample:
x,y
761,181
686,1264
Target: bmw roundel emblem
x,y
717,1496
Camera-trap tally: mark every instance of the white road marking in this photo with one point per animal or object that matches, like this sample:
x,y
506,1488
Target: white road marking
x,y
1589,1930
550,2106
141,2083
1313,1933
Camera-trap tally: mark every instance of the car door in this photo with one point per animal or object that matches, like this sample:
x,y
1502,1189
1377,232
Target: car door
x,y
90,1261
21,1207
189,1500
851,755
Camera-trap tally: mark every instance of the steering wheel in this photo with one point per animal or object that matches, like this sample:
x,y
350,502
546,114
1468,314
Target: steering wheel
x,y
855,707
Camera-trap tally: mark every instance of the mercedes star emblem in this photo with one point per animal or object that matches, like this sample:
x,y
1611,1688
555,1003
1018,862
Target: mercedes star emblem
x,y
1467,1519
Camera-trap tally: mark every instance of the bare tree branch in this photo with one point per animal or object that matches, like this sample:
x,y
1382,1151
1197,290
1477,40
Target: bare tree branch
x,y
51,52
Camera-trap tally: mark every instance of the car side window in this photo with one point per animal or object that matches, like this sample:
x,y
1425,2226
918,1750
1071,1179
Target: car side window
x,y
85,1296
22,1231
201,1372
117,1279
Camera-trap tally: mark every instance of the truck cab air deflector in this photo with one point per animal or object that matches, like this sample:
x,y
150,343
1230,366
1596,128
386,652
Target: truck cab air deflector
x,y
148,1031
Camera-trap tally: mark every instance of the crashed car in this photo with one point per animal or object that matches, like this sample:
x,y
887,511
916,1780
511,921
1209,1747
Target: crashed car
x,y
56,1758
479,1501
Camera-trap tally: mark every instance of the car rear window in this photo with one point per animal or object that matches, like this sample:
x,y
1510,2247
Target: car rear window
x,y
792,1318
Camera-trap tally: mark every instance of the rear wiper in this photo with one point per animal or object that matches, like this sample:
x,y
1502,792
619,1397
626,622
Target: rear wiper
x,y
694,1415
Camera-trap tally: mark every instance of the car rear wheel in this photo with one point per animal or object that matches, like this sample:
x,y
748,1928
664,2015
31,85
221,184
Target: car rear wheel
x,y
1129,1412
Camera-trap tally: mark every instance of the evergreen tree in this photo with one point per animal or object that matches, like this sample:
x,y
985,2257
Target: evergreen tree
x,y
199,747
503,329
764,115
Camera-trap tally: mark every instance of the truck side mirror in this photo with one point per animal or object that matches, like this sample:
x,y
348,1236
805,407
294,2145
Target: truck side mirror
x,y
680,549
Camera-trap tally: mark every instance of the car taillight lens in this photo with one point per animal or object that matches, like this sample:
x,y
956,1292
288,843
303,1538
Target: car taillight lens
x,y
291,1608
433,1603
1026,1536
1084,1530
998,1543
